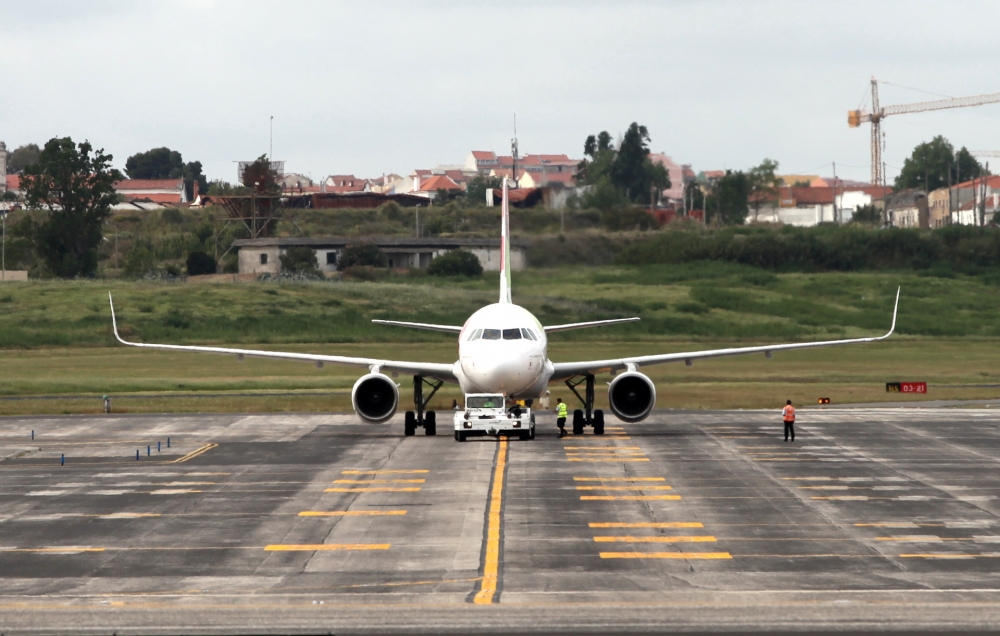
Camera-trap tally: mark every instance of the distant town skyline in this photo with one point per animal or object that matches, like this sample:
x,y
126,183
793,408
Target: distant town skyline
x,y
371,88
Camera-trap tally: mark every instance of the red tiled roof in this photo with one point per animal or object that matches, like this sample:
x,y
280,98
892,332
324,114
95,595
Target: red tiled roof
x,y
438,182
456,175
992,181
357,186
149,184
13,182
484,155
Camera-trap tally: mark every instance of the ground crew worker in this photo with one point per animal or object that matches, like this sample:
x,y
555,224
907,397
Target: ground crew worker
x,y
788,414
561,412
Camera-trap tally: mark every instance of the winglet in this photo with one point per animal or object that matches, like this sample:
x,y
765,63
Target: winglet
x,y
114,323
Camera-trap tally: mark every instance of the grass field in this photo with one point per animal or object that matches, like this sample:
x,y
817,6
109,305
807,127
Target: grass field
x,y
55,337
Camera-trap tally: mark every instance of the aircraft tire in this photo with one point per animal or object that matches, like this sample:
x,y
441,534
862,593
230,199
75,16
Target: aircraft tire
x,y
409,423
430,423
598,422
578,422
460,436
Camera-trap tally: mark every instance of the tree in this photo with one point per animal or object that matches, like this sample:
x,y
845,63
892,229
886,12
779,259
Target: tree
x,y
628,169
260,176
164,163
456,263
75,185
299,260
729,201
24,156
199,263
764,184
477,187
367,254
935,164
867,215
138,262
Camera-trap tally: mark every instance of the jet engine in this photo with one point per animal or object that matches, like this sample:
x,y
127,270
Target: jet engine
x,y
632,396
375,397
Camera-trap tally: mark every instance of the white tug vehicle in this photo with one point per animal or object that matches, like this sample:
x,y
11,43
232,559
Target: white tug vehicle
x,y
488,414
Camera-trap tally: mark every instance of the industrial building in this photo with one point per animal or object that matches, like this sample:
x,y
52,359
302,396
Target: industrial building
x,y
262,255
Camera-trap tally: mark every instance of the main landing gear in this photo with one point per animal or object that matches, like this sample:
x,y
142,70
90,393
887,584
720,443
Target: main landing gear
x,y
587,416
428,419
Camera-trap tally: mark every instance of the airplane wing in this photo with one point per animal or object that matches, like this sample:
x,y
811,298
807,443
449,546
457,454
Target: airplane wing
x,y
419,325
584,325
565,370
429,369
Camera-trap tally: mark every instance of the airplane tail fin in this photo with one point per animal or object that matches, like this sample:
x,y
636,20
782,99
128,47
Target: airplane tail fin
x,y
505,247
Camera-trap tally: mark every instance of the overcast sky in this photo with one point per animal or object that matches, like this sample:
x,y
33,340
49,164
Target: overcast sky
x,y
376,87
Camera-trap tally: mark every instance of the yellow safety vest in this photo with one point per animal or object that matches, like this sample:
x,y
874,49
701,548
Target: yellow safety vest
x,y
561,410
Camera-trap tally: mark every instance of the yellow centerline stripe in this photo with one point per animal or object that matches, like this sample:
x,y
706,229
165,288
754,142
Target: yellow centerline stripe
x,y
666,555
648,524
597,448
619,479
630,497
350,513
382,472
689,539
491,563
373,489
624,487
317,547
379,481
618,459
204,449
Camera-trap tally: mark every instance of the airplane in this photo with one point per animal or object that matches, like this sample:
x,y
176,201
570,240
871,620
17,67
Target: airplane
x,y
502,349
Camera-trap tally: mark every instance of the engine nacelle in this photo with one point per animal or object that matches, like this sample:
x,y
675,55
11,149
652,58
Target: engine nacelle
x,y
375,397
632,396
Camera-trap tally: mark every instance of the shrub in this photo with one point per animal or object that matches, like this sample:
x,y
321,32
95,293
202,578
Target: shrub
x,y
366,254
200,263
618,219
231,264
138,262
299,260
456,263
365,272
172,216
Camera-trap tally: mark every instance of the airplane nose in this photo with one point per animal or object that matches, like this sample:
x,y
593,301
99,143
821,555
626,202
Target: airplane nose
x,y
503,374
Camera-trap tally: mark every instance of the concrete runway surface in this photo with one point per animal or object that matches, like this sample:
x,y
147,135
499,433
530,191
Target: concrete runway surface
x,y
873,519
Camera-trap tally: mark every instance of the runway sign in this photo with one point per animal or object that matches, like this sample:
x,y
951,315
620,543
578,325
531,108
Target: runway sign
x,y
906,387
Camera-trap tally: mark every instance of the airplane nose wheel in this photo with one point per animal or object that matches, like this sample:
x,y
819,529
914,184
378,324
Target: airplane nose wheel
x,y
586,416
418,417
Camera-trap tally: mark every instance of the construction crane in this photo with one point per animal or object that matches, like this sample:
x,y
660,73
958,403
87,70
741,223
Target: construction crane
x,y
985,153
857,117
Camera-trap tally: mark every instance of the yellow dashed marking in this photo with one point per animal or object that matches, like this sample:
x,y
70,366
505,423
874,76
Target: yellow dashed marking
x,y
383,472
379,481
598,448
630,497
318,547
619,479
350,513
619,459
647,524
945,555
624,487
373,489
666,555
691,539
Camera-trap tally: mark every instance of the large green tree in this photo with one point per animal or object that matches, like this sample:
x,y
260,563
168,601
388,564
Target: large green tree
x,y
75,184
729,201
935,164
628,169
259,176
164,163
764,184
22,157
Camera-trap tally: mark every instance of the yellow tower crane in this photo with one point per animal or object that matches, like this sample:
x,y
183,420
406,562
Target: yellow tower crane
x,y
857,117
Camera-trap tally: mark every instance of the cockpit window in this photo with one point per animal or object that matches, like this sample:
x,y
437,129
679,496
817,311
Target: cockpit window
x,y
491,334
528,333
512,334
475,335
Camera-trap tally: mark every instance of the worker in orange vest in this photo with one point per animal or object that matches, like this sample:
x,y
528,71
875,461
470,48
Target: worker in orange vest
x,y
788,413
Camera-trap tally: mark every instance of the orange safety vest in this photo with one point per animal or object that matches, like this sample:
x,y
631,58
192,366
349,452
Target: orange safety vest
x,y
789,413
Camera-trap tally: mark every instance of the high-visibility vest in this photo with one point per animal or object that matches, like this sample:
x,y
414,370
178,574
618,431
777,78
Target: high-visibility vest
x,y
789,413
561,410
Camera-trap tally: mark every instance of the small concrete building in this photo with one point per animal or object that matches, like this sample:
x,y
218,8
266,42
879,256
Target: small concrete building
x,y
259,256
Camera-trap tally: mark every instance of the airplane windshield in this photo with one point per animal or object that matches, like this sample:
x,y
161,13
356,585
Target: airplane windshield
x,y
484,402
528,333
475,334
512,334
491,334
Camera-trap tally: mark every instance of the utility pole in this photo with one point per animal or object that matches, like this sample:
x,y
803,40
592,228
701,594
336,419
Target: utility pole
x,y
3,251
835,220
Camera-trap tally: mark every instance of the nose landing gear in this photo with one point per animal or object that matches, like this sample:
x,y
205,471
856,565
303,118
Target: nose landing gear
x,y
586,416
428,419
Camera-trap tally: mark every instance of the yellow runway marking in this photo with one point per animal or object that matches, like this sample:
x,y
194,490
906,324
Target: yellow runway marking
x,y
630,497
383,472
691,539
900,524
619,459
55,550
624,488
491,563
647,524
946,555
379,481
204,449
923,539
598,448
666,555
318,547
619,479
350,513
373,489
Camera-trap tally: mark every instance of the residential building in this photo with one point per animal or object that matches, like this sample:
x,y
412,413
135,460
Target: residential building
x,y
939,207
967,196
345,183
908,208
297,183
429,187
481,161
676,173
259,256
808,206
155,190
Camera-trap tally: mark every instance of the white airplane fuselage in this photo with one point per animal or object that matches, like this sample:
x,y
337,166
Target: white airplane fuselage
x,y
502,348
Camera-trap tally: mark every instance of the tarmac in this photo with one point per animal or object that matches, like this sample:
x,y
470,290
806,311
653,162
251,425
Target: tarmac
x,y
872,520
